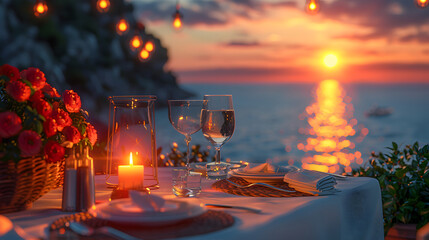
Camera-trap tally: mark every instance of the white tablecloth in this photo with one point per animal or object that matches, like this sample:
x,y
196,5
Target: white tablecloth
x,y
355,213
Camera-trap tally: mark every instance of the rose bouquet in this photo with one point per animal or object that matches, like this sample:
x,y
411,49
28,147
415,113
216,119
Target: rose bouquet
x,y
36,120
36,125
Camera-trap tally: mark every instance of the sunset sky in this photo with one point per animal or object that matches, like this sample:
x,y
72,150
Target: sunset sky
x,y
251,41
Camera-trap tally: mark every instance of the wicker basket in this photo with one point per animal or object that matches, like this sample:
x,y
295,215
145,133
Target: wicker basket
x,y
24,182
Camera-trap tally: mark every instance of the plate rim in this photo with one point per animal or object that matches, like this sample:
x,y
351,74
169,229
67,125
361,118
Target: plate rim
x,y
164,218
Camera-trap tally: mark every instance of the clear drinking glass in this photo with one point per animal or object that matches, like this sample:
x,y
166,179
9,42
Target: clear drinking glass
x,y
218,123
185,116
186,183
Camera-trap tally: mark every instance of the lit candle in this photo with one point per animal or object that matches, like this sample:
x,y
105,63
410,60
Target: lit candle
x,y
130,176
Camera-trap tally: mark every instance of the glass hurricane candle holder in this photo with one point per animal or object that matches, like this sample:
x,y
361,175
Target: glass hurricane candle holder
x,y
131,154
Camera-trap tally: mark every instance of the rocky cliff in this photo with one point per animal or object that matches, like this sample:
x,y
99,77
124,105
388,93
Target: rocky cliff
x,y
79,48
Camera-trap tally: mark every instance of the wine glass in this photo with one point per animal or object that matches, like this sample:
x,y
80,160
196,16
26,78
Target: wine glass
x,y
185,116
217,122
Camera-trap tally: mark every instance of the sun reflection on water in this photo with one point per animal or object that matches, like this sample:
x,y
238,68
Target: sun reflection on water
x,y
331,124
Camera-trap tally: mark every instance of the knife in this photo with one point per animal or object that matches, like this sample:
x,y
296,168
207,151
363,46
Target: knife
x,y
254,210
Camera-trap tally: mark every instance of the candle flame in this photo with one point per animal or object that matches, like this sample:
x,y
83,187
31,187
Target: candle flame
x,y
131,159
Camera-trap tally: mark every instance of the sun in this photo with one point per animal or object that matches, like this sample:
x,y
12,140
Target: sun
x,y
330,60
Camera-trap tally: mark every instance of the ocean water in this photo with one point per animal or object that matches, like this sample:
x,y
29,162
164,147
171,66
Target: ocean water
x,y
267,119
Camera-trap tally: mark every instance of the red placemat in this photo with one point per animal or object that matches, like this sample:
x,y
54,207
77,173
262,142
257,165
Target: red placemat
x,y
209,221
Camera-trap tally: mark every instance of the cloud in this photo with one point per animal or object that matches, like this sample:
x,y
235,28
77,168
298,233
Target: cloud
x,y
383,17
209,12
421,37
384,72
241,44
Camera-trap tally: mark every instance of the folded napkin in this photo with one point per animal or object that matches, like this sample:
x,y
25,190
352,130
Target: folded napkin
x,y
146,201
313,182
264,168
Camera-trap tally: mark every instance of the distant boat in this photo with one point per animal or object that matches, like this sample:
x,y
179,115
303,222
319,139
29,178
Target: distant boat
x,y
379,112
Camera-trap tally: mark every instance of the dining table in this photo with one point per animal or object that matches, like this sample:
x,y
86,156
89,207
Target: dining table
x,y
354,212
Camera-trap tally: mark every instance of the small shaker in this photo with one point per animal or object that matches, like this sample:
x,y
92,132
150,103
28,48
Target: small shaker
x,y
85,182
69,186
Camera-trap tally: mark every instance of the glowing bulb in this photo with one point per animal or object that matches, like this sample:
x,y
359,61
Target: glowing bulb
x,y
177,20
103,5
144,55
177,23
136,42
149,47
421,3
122,26
40,8
312,6
131,159
330,60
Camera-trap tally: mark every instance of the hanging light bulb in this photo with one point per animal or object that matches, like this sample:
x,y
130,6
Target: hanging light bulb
x,y
421,3
40,8
177,18
103,5
136,42
312,6
122,26
144,55
149,46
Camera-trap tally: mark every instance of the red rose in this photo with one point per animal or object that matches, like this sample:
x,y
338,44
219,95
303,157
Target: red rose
x,y
62,118
72,134
10,71
43,108
50,90
54,152
91,133
50,127
10,124
18,91
72,101
29,143
37,96
35,77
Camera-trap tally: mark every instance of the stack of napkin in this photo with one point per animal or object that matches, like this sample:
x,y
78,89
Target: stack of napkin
x,y
312,182
146,201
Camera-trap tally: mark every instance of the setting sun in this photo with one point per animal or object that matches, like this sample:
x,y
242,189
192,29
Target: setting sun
x,y
330,60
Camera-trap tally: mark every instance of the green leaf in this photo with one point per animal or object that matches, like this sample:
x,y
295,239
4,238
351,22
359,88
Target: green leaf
x,y
39,127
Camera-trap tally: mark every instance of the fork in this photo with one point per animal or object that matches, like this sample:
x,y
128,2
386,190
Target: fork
x,y
87,231
259,184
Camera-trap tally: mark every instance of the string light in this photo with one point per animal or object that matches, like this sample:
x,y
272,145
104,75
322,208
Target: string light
x,y
177,18
103,5
122,27
40,8
144,55
421,3
136,42
149,46
312,6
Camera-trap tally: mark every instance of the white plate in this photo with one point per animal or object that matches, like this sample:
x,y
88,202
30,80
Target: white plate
x,y
243,172
8,231
266,178
124,211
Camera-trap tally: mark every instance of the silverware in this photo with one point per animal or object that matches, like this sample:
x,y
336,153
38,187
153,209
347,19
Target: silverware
x,y
84,230
254,210
259,184
337,175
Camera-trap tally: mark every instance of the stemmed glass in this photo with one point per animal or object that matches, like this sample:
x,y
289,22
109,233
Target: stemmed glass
x,y
185,116
217,122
